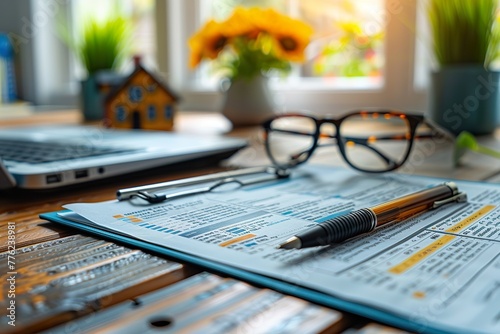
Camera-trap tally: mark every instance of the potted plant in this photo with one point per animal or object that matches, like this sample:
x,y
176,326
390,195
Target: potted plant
x,y
247,46
101,48
466,39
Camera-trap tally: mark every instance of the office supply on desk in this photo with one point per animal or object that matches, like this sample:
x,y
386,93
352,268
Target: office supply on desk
x,y
54,156
367,219
435,272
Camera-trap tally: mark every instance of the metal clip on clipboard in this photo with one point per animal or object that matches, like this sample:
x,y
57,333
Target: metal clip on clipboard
x,y
220,179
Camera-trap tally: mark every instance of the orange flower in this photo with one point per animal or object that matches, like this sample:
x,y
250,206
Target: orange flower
x,y
241,23
292,36
207,43
196,45
260,39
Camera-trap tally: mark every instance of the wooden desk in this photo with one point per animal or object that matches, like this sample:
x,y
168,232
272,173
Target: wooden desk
x,y
38,288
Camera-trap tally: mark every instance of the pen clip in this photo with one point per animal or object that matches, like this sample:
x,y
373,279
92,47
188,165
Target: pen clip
x,y
460,197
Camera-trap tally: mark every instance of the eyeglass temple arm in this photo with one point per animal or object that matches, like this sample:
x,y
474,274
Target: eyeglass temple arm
x,y
437,130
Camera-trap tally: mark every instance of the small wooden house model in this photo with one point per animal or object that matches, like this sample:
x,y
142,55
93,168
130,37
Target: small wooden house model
x,y
141,102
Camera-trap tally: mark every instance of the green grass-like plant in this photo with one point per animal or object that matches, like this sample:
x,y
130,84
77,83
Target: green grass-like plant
x,y
103,45
464,31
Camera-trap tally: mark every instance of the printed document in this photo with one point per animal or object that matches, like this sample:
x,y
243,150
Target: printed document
x,y
439,269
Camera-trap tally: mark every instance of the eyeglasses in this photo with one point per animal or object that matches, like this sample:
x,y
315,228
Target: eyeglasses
x,y
369,141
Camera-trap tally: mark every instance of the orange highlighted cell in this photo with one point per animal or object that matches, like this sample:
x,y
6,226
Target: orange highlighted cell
x,y
419,295
236,240
421,255
469,220
436,245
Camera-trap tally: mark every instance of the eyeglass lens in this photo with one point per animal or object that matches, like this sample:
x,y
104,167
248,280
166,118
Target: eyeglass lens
x,y
290,140
369,142
375,142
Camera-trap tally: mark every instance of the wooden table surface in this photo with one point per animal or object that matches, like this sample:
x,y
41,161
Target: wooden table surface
x,y
39,296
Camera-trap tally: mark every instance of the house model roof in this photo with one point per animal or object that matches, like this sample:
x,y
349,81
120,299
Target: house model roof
x,y
126,82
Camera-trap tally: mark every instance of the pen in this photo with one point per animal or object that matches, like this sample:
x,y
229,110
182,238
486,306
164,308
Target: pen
x,y
367,219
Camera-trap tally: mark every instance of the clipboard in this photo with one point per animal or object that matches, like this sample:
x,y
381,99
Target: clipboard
x,y
406,322
256,279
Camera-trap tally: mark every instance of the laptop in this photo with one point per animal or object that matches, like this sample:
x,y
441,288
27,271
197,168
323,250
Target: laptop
x,y
44,157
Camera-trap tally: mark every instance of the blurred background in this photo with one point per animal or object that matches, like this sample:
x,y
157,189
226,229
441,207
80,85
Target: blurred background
x,y
363,52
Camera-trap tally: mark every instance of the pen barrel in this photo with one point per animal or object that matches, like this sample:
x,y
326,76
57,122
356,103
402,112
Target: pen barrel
x,y
339,228
410,205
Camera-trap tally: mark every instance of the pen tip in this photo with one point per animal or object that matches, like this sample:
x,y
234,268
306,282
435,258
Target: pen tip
x,y
291,243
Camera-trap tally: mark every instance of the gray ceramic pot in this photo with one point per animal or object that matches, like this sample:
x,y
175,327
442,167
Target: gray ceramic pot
x,y
465,98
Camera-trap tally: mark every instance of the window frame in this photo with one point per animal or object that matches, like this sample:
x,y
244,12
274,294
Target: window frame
x,y
42,61
176,22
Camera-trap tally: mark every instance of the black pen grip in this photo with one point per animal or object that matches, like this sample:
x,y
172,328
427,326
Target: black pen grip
x,y
339,228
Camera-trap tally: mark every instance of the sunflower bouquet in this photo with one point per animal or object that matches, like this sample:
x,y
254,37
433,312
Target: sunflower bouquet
x,y
251,42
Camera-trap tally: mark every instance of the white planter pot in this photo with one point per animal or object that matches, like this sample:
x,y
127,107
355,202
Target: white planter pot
x,y
248,102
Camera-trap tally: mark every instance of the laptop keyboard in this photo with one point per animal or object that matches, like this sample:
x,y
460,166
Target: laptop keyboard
x,y
37,152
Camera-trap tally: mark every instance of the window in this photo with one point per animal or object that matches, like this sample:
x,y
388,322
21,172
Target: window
x,y
347,47
50,74
121,113
151,112
320,85
135,94
141,14
169,112
378,72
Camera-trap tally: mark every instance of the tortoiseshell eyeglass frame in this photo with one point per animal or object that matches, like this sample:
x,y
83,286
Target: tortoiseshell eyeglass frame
x,y
413,120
